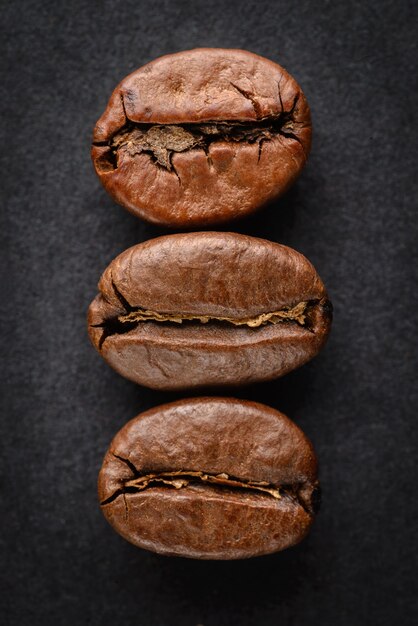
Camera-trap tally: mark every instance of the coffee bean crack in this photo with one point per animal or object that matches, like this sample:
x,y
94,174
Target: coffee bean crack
x,y
295,313
162,141
134,316
182,478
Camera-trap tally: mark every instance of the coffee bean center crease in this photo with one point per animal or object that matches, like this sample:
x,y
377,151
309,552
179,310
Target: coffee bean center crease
x,y
180,479
162,141
295,313
134,316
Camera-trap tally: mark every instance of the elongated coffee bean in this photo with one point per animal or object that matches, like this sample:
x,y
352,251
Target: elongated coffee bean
x,y
210,478
202,136
203,309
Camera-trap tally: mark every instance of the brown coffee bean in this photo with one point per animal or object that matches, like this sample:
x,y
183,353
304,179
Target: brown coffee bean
x,y
208,308
210,478
202,136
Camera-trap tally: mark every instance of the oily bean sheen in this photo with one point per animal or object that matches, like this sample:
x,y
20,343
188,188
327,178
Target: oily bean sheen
x,y
208,308
210,478
202,136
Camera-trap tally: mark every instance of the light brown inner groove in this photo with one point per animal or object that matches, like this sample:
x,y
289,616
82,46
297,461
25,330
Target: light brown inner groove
x,y
121,324
182,478
162,141
118,325
295,313
179,479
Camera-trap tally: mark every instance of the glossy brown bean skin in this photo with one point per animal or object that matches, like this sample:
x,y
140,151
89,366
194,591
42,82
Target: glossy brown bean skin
x,y
246,441
213,275
201,137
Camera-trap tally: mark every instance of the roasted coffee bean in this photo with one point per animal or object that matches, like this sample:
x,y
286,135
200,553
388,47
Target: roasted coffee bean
x,y
210,478
201,309
202,136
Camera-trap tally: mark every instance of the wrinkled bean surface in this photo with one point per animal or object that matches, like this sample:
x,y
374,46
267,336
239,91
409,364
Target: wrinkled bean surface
x,y
201,309
210,478
202,136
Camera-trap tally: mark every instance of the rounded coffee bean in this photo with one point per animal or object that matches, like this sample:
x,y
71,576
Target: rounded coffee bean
x,y
202,309
202,136
210,478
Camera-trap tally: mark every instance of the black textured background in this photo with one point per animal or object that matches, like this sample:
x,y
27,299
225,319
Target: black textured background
x,y
352,212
